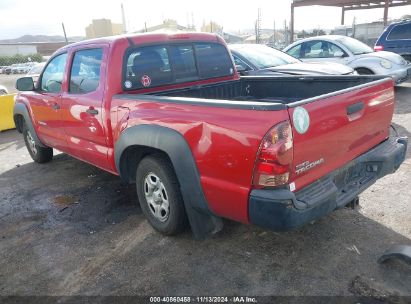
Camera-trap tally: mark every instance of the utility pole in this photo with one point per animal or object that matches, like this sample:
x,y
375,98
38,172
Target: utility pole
x,y
386,6
64,31
285,32
258,27
274,34
123,16
353,28
292,23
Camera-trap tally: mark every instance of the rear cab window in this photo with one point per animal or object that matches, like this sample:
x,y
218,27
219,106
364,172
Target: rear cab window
x,y
157,65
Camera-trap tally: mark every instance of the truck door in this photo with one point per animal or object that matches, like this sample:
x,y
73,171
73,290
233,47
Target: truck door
x,y
46,103
82,104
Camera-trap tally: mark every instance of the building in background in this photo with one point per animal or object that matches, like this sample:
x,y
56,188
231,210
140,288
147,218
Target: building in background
x,y
232,38
365,32
275,39
168,26
212,27
102,28
17,49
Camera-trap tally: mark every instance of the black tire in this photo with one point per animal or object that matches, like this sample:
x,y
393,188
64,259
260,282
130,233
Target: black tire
x,y
364,71
158,166
37,153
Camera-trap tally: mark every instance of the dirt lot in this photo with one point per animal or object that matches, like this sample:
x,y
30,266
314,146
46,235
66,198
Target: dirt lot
x,y
67,228
9,81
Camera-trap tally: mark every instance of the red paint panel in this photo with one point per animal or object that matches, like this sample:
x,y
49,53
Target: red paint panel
x,y
224,143
337,137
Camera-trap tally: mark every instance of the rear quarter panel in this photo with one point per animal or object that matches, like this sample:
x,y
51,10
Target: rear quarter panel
x,y
223,141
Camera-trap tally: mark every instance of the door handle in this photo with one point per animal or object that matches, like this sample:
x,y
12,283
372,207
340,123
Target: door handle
x,y
55,106
92,111
356,107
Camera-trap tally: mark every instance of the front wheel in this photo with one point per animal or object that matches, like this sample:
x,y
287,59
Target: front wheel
x,y
37,153
159,195
364,71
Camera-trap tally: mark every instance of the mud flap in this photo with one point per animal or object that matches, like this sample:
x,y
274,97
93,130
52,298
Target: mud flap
x,y
401,252
203,225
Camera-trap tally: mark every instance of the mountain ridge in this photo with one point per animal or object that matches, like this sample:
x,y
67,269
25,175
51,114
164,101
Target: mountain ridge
x,y
40,38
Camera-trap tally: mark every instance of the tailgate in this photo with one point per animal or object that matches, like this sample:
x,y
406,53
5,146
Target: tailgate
x,y
332,129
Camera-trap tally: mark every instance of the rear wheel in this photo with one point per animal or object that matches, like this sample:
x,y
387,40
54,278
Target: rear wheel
x,y
159,195
364,71
37,153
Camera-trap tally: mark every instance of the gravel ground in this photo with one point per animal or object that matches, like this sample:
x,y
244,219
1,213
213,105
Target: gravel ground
x,y
67,228
9,81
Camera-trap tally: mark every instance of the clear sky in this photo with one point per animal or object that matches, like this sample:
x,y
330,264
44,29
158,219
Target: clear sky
x,y
20,17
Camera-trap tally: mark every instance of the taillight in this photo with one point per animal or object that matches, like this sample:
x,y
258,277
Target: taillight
x,y
378,48
274,158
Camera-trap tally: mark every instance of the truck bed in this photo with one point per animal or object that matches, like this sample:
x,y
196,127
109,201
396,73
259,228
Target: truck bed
x,y
284,90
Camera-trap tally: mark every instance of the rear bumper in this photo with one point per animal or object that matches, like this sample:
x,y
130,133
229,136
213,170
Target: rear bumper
x,y
282,210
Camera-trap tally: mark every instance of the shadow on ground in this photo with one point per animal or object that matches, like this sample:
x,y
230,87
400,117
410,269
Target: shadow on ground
x,y
9,138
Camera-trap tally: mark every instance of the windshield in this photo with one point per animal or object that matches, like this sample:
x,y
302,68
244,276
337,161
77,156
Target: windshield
x,y
356,47
264,57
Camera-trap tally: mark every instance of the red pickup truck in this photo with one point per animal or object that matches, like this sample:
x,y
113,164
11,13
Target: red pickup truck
x,y
170,114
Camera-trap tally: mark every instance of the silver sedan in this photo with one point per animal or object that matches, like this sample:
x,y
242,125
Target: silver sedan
x,y
351,52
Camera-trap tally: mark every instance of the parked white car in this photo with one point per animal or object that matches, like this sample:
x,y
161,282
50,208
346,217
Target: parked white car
x,y
351,52
18,68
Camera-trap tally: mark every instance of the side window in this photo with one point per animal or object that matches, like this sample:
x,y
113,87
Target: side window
x,y
320,49
401,31
311,49
184,65
147,66
52,76
295,51
85,71
335,50
213,60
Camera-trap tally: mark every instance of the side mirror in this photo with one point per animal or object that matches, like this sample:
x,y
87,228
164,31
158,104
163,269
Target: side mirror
x,y
338,54
25,84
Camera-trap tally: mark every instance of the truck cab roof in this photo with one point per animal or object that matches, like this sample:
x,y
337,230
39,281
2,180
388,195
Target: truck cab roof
x,y
146,38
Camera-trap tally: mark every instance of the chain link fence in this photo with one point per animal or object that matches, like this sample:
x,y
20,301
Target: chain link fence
x,y
18,64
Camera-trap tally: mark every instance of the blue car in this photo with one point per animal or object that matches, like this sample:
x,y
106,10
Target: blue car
x,y
396,38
